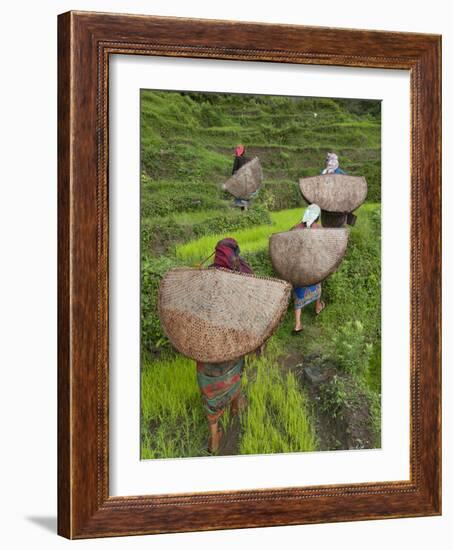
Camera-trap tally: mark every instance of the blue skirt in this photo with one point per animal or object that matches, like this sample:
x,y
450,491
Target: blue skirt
x,y
305,295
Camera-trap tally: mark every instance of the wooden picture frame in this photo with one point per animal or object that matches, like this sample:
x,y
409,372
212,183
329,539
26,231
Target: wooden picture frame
x,y
85,41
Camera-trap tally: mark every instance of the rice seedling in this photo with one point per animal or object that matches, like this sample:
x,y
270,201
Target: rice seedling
x,y
250,240
277,419
172,418
173,421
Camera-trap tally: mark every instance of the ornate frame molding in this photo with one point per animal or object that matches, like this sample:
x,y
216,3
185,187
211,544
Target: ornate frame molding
x,y
86,40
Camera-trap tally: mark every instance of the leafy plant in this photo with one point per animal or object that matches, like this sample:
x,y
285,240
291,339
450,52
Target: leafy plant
x,y
333,397
277,419
352,350
152,271
279,195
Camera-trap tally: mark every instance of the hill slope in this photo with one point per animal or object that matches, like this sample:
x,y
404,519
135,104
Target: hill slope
x,y
190,137
187,145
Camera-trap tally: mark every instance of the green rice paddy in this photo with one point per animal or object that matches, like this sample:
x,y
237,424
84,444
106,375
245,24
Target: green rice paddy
x,y
251,240
187,142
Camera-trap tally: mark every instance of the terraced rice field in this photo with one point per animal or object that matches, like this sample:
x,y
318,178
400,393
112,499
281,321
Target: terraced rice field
x,y
186,155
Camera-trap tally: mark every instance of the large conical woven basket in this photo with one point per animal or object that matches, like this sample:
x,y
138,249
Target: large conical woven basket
x,y
305,257
246,181
334,192
215,315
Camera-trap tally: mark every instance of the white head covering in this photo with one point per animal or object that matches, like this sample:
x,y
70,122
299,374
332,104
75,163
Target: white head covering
x,y
332,163
311,214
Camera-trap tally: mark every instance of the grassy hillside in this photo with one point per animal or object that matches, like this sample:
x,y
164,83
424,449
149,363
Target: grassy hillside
x,y
189,137
187,152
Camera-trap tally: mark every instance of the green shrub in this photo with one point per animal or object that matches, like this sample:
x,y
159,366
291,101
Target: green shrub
x,y
231,221
279,195
374,401
351,349
159,235
165,204
157,188
353,291
190,161
152,271
371,171
344,394
333,397
261,264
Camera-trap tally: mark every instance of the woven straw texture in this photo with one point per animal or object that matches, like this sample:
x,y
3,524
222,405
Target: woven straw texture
x,y
246,180
216,315
307,256
334,192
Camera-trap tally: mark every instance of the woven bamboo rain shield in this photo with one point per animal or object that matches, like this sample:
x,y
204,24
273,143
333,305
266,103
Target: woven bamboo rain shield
x,y
307,256
246,180
215,315
334,192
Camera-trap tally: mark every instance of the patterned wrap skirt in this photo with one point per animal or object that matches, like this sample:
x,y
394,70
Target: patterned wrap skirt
x,y
219,384
305,295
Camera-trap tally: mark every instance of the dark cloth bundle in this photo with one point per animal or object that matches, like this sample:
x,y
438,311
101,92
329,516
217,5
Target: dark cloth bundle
x,y
239,162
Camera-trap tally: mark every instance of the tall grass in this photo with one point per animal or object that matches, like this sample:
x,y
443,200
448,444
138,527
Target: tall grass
x,y
187,218
172,419
277,420
173,422
250,240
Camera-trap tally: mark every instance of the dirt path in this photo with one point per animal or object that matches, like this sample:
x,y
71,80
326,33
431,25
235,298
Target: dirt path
x,y
341,407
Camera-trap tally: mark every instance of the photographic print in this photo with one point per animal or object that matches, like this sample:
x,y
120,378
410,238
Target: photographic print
x,y
222,287
260,274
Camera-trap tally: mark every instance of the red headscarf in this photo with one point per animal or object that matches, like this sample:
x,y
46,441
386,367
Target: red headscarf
x,y
240,150
227,256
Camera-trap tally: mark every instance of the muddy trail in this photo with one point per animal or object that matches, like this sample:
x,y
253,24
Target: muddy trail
x,y
342,410
231,439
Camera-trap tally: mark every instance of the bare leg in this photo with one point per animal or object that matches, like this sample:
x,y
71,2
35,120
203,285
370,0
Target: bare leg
x,y
297,314
214,440
319,306
238,403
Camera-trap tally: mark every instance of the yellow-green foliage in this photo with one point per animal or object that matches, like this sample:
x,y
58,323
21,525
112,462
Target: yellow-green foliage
x,y
172,419
250,240
277,420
